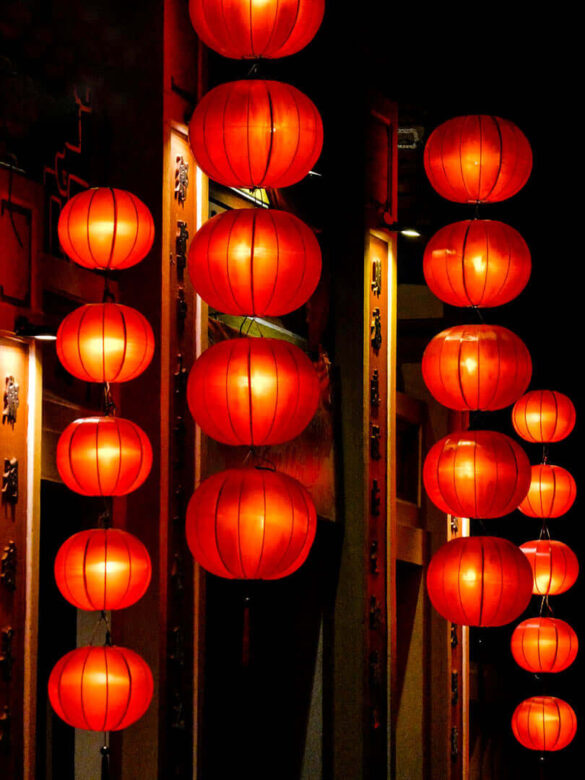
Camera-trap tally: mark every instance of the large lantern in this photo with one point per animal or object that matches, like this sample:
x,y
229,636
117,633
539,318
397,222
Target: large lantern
x,y
477,159
103,456
554,565
543,416
551,494
470,367
477,262
544,723
105,342
257,262
103,568
250,524
101,688
476,474
256,134
253,391
105,229
479,581
250,29
544,644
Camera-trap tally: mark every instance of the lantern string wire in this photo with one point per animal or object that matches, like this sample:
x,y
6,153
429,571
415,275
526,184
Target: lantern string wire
x,y
108,295
257,458
544,454
103,618
479,314
109,405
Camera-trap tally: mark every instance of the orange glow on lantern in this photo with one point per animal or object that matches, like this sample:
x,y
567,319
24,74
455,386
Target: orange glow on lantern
x,y
544,644
554,565
543,416
552,492
544,723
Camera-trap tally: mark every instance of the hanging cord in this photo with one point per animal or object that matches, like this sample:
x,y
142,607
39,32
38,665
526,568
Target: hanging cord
x,y
545,604
109,405
105,753
479,314
250,321
105,518
258,458
103,618
544,454
108,296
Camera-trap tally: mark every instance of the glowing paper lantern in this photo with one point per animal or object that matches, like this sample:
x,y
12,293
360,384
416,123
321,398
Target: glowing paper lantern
x,y
551,494
256,134
543,416
256,262
248,29
103,456
476,474
479,581
253,391
105,229
477,159
477,262
103,568
101,688
470,367
105,342
554,565
544,644
544,723
250,524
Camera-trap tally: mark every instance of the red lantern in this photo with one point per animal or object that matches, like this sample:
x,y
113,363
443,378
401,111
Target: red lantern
x,y
554,565
476,474
477,263
256,134
551,494
103,568
105,229
479,581
250,524
544,644
105,342
544,723
477,159
251,30
471,367
253,391
101,688
255,262
103,456
543,416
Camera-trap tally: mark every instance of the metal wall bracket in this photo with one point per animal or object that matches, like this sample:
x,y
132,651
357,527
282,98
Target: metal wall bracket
x,y
10,480
8,566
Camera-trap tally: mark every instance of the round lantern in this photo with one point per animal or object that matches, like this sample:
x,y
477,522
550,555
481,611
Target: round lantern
x,y
256,134
479,581
252,29
103,456
477,159
543,416
544,723
544,644
471,367
476,474
477,262
105,342
105,229
253,391
257,262
250,524
103,568
100,688
554,565
551,494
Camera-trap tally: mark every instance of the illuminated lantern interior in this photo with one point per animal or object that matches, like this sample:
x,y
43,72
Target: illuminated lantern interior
x,y
476,367
256,133
544,723
253,391
105,342
476,474
101,688
256,262
103,456
105,229
250,524
102,569
551,494
544,644
253,29
477,262
479,581
543,416
477,159
554,565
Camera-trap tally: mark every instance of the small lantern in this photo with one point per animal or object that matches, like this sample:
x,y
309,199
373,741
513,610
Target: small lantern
x,y
544,644
543,416
555,566
544,723
551,494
